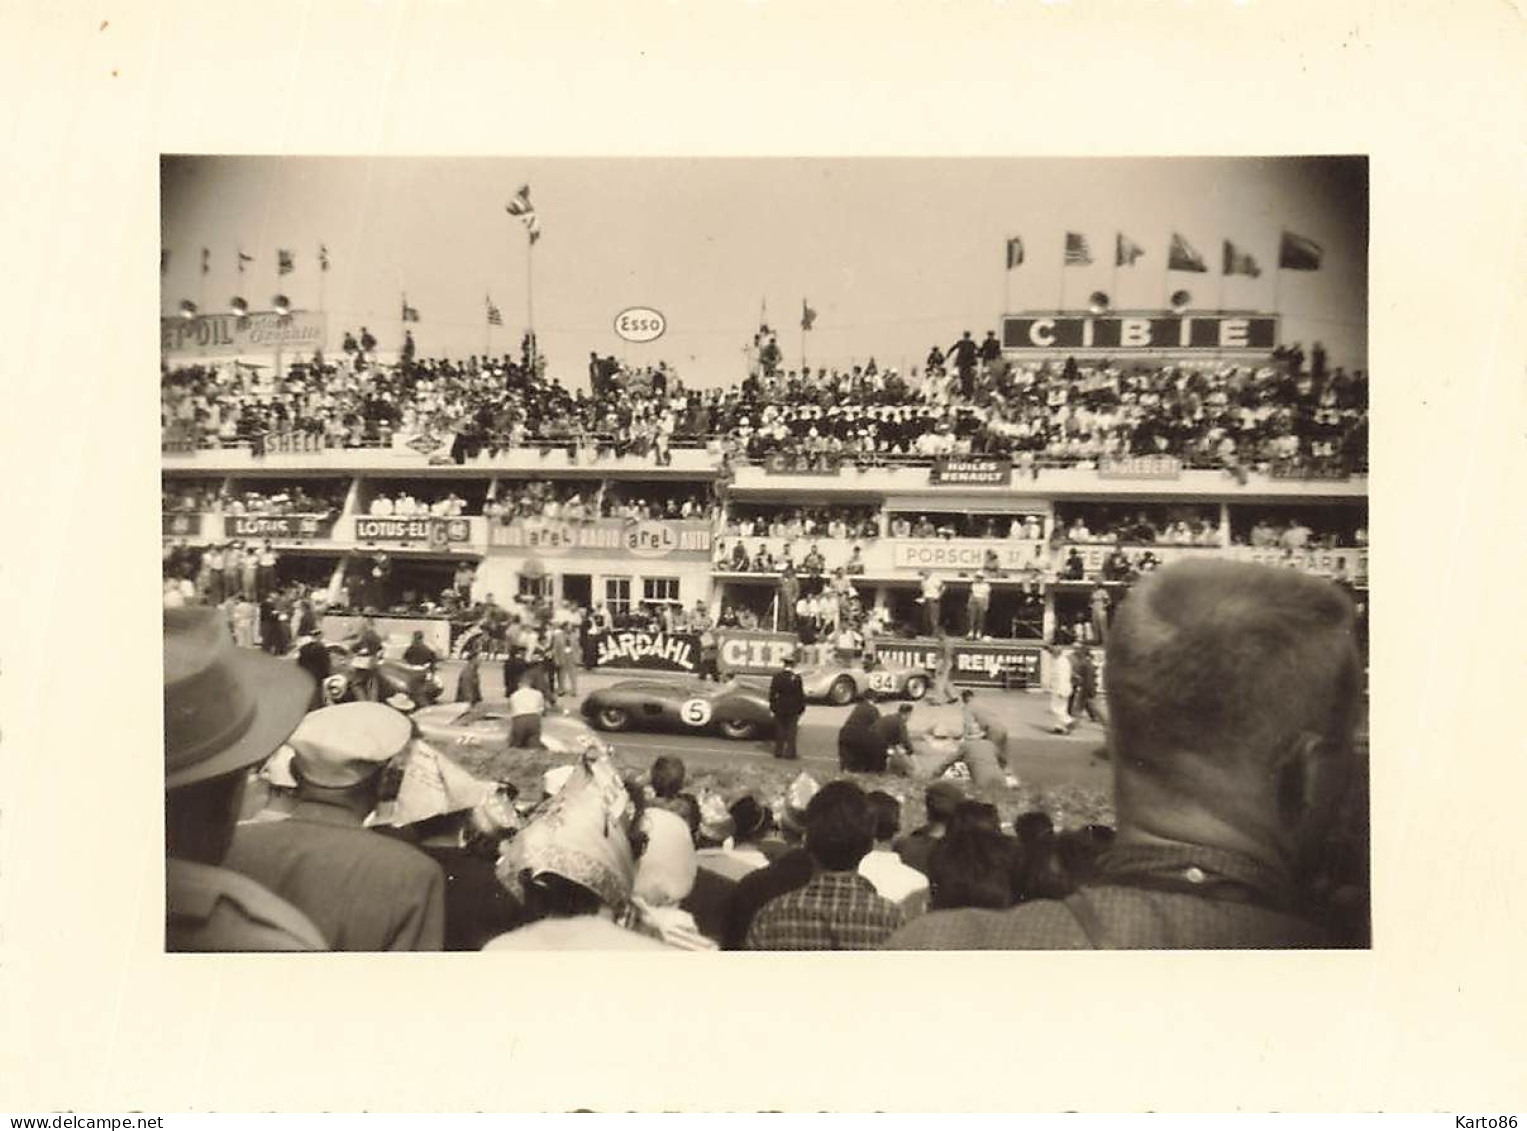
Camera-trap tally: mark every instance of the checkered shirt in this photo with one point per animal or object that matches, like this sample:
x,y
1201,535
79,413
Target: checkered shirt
x,y
834,911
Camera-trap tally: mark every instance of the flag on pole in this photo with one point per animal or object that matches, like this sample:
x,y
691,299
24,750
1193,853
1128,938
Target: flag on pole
x,y
1126,251
164,261
808,316
243,259
1078,253
410,313
286,263
495,318
1014,252
1296,253
206,261
323,257
519,205
1183,257
1239,262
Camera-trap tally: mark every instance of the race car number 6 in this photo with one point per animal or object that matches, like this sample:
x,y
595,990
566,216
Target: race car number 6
x,y
695,712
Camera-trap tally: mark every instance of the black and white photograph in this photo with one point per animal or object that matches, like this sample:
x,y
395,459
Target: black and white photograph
x,y
675,553
761,557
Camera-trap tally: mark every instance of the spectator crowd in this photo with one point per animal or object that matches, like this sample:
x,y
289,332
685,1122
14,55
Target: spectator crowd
x,y
1281,415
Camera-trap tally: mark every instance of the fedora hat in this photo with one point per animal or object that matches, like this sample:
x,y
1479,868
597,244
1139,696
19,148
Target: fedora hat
x,y
225,707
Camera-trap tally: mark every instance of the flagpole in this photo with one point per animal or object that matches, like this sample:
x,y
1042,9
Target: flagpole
x,y
530,302
1166,274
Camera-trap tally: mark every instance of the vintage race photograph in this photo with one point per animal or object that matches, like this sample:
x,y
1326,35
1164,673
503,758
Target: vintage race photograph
x,y
764,554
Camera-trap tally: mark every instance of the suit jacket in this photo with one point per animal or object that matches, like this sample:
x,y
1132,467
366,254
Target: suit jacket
x,y
364,891
786,695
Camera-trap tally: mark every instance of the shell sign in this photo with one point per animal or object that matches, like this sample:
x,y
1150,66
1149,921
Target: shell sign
x,y
640,324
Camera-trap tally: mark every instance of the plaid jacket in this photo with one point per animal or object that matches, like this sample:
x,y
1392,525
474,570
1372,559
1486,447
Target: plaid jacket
x,y
834,911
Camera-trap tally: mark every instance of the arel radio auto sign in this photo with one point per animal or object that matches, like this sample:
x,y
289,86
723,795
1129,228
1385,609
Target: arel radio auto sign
x,y
605,536
1126,332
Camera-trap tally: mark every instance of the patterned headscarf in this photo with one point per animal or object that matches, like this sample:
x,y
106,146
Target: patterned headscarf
x,y
582,834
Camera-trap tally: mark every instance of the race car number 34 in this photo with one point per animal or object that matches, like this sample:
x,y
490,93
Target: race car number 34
x,y
695,712
882,681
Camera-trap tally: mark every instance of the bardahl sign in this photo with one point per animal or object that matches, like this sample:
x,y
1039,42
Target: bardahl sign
x,y
659,651
1125,332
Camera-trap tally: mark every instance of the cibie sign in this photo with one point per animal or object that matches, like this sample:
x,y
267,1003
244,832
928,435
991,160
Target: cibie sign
x,y
1140,332
640,324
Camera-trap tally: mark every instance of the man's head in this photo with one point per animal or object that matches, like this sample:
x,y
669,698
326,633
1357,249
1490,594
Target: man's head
x,y
1234,696
225,709
667,776
887,813
840,826
904,710
942,799
342,750
967,695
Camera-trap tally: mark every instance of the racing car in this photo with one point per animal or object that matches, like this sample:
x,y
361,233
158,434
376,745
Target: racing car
x,y
475,733
839,683
687,705
346,672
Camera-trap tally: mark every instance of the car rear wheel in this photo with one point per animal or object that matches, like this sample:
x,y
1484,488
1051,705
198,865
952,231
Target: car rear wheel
x,y
917,687
612,718
738,729
841,693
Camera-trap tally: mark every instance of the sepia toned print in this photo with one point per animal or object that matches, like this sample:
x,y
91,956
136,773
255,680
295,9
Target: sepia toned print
x,y
574,564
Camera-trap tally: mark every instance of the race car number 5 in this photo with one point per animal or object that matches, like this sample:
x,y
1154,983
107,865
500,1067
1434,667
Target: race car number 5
x,y
695,712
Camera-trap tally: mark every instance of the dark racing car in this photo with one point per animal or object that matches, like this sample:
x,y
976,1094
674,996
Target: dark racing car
x,y
390,675
686,705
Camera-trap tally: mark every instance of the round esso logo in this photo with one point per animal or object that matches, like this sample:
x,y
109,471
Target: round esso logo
x,y
640,324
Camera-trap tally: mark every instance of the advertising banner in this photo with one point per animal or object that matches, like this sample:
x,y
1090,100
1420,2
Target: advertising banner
x,y
782,463
279,527
971,471
1147,331
655,651
754,653
1350,563
967,555
1140,467
438,533
606,537
180,525
228,335
1094,554
975,663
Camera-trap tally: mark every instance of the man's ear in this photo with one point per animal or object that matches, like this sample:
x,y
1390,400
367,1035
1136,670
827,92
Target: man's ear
x,y
1305,779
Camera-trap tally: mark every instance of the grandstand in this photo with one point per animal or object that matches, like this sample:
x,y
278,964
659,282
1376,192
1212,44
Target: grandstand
x,y
1056,472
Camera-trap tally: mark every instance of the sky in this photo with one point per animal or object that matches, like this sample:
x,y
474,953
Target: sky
x,y
894,254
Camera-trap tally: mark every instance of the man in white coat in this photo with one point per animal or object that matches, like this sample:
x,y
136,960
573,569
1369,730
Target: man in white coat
x,y
1060,690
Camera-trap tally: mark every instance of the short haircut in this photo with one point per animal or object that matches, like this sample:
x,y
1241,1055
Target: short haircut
x,y
1225,662
975,815
667,776
887,811
840,826
974,867
1035,825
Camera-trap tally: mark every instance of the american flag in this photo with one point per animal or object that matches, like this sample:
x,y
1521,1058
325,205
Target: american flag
x,y
410,313
494,317
1078,253
286,262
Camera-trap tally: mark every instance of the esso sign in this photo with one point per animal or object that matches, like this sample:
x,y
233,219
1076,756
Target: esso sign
x,y
640,324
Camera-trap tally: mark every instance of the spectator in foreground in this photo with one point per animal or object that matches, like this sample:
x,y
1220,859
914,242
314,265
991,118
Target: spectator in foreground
x,y
837,909
906,887
790,865
210,688
573,867
942,798
1234,693
365,891
860,748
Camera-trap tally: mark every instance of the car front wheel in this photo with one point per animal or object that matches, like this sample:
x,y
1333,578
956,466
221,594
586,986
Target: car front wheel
x,y
841,693
612,718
